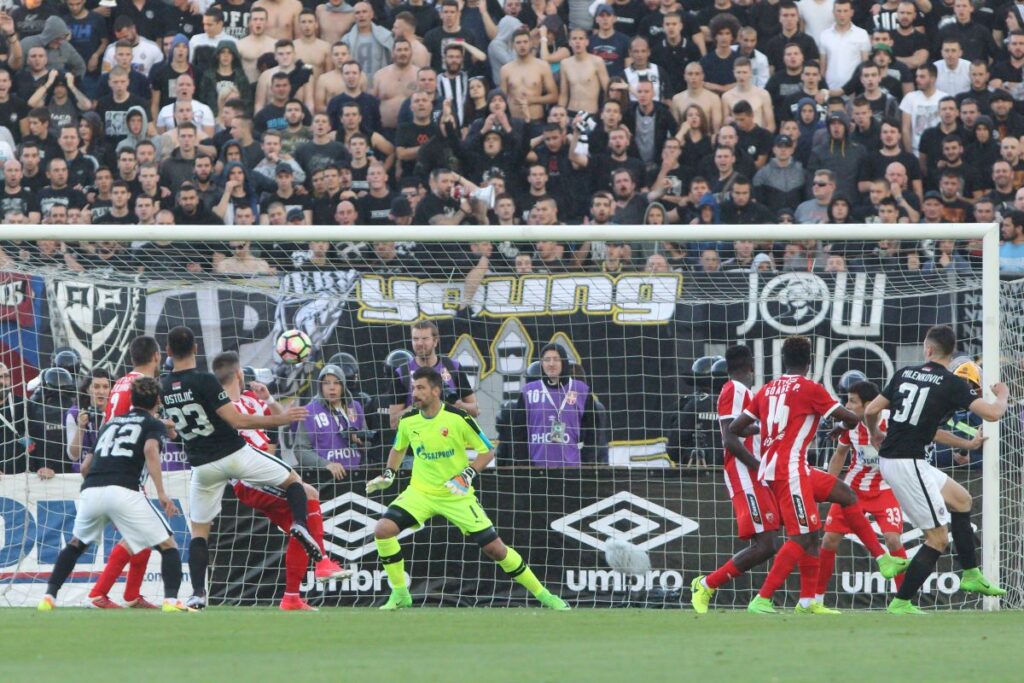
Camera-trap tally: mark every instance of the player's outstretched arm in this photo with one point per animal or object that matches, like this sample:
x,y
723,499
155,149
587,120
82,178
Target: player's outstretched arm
x,y
229,413
871,417
733,431
152,452
992,411
383,481
948,438
846,416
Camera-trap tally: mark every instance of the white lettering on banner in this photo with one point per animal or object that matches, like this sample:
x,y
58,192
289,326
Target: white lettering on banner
x,y
12,292
629,299
361,581
605,580
869,583
795,303
36,520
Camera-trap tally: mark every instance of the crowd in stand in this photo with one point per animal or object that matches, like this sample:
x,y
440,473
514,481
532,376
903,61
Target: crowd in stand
x,y
283,112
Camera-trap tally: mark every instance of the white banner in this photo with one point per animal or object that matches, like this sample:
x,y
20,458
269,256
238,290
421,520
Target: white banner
x,y
36,520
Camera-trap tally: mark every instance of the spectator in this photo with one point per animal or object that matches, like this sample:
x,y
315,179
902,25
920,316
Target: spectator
x,y
333,435
44,416
1011,252
243,262
815,210
60,53
555,420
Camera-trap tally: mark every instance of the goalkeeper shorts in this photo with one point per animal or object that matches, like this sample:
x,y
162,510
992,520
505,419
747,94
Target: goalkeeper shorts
x,y
462,511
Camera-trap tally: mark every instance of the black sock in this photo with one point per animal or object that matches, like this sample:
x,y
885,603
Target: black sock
x,y
920,568
198,561
62,567
170,567
963,539
296,496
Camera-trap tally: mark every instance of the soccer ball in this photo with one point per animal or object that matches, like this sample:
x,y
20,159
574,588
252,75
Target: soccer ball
x,y
293,346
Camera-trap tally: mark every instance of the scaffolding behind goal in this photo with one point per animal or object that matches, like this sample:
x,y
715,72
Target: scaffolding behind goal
x,y
633,314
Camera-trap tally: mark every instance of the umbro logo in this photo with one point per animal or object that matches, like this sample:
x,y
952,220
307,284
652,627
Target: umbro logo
x,y
348,532
626,517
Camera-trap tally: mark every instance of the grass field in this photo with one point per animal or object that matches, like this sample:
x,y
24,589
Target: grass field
x,y
522,645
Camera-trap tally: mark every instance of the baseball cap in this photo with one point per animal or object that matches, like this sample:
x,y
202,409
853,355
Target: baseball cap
x,y
284,167
881,47
604,8
838,116
932,194
783,141
295,214
400,208
1001,94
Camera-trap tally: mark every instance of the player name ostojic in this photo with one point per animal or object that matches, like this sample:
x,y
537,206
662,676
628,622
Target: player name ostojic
x,y
922,376
180,397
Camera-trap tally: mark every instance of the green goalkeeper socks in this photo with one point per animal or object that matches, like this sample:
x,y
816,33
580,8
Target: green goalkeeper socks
x,y
516,568
390,552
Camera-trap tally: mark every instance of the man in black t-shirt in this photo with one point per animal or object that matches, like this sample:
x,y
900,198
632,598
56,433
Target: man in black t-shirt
x,y
112,492
58,192
15,198
119,213
920,398
208,423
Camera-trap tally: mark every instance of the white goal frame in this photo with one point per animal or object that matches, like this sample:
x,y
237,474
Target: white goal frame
x,y
987,232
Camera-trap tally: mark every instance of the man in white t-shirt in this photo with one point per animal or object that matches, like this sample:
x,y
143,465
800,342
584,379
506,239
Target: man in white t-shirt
x,y
920,107
954,73
843,45
817,16
202,115
145,53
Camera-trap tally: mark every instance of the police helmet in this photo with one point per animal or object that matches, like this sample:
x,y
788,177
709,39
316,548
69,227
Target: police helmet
x,y
348,364
68,359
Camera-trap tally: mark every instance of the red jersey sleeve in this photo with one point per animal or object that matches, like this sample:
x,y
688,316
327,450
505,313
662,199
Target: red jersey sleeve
x,y
820,401
730,402
755,408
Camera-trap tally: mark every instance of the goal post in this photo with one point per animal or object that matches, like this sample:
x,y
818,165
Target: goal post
x,y
633,335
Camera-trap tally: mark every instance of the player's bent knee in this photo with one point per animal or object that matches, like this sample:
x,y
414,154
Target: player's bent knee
x,y
937,538
831,541
311,493
385,528
485,537
167,544
292,478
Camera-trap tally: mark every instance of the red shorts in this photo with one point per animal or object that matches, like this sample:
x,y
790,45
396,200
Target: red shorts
x,y
798,500
755,510
883,506
273,507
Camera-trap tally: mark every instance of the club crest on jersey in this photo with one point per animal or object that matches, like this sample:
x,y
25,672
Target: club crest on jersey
x,y
570,397
444,431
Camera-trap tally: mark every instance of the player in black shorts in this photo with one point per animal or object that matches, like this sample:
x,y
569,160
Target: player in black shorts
x,y
208,423
920,398
113,492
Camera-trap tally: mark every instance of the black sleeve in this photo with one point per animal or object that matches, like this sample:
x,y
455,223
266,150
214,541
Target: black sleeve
x,y
153,428
890,389
212,394
462,387
962,394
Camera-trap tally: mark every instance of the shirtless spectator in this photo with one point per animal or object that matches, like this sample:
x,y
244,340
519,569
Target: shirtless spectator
x,y
528,81
758,98
394,83
697,94
405,27
310,49
301,83
584,76
335,18
256,44
282,17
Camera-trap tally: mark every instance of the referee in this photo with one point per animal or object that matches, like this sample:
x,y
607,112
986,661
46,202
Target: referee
x,y
920,398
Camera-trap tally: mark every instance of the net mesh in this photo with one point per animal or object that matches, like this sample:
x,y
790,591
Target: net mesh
x,y
643,466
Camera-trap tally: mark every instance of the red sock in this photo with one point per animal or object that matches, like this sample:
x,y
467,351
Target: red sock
x,y
295,564
826,567
902,552
859,525
723,575
808,575
136,573
782,566
111,572
315,522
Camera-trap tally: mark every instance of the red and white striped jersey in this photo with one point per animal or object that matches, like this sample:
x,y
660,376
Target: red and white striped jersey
x,y
789,409
120,400
863,475
248,404
731,402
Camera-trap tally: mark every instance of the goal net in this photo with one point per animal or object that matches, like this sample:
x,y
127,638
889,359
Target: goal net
x,y
621,503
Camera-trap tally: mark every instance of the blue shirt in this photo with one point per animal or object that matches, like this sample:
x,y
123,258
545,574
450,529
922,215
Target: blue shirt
x,y
1011,258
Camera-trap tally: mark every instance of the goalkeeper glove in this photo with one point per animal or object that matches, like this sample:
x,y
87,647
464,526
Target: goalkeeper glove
x,y
382,482
460,483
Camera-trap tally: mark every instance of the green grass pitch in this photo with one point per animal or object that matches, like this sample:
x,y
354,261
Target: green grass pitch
x,y
489,645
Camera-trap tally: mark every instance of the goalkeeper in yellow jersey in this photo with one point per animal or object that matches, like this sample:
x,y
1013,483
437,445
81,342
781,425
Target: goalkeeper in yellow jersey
x,y
442,484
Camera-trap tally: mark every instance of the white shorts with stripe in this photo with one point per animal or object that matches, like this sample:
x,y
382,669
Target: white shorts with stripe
x,y
206,488
133,514
918,488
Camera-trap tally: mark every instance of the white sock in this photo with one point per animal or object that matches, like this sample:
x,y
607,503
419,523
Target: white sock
x,y
820,598
806,602
704,582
